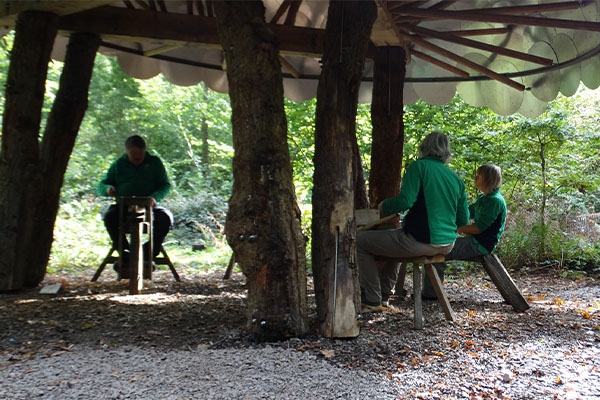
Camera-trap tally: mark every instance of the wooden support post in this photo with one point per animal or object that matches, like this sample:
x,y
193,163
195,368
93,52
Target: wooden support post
x,y
506,286
418,302
136,260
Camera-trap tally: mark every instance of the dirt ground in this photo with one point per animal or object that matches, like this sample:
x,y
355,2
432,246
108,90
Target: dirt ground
x,y
550,351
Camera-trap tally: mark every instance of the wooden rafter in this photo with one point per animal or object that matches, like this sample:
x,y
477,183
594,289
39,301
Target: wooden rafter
x,y
289,67
210,11
280,11
479,32
461,60
480,45
145,6
478,16
533,8
440,63
162,49
291,6
451,56
292,12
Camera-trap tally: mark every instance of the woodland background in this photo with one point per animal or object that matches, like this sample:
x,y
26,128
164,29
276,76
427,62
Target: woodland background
x,y
550,164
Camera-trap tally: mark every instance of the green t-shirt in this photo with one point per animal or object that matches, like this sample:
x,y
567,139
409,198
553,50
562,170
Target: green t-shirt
x,y
489,215
436,201
149,179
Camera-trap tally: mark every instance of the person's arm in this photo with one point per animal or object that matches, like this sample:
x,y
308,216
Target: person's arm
x,y
411,183
163,185
107,186
463,210
488,211
469,230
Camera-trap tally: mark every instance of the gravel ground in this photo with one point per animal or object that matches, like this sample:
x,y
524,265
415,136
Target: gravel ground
x,y
141,373
186,340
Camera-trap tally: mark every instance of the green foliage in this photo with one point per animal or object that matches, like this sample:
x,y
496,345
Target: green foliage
x,y
550,164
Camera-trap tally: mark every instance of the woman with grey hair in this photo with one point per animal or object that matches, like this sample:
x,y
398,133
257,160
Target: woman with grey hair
x,y
437,205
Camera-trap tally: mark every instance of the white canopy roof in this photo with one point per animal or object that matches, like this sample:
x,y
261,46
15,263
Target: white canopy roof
x,y
512,56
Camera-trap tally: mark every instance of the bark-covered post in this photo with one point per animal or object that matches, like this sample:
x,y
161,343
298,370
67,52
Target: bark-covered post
x,y
337,293
263,220
388,125
387,113
68,110
20,170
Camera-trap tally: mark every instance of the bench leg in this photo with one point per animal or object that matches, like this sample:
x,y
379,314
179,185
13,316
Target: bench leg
x,y
439,290
109,258
170,264
506,286
418,302
229,267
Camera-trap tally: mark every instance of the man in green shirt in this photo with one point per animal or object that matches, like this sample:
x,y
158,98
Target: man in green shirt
x,y
137,173
437,205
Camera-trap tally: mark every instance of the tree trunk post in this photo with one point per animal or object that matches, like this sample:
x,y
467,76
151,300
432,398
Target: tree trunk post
x,y
20,169
263,221
65,118
388,125
387,117
337,293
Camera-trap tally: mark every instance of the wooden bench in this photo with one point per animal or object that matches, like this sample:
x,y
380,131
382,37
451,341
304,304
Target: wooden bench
x,y
162,259
497,272
369,219
135,220
427,263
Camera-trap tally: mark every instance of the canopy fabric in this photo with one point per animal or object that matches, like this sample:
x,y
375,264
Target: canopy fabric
x,y
511,56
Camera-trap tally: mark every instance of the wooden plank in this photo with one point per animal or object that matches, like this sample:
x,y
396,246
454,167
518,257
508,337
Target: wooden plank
x,y
378,222
52,288
366,216
506,286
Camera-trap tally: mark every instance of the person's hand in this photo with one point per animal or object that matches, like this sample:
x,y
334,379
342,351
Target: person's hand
x,y
396,221
111,191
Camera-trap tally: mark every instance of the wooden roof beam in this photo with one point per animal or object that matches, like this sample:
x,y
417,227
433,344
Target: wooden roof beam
x,y
293,12
440,63
478,32
133,24
451,56
466,62
280,11
478,16
480,45
533,8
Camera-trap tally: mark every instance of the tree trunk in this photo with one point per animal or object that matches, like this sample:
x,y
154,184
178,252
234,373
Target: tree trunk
x,y
59,137
20,169
263,221
388,125
337,291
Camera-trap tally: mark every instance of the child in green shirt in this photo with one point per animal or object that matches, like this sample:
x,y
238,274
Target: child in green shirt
x,y
488,214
